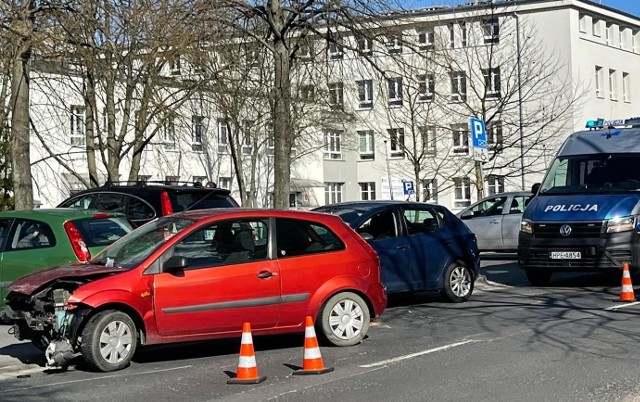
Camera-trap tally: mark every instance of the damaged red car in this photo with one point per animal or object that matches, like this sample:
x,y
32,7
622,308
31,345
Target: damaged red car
x,y
200,275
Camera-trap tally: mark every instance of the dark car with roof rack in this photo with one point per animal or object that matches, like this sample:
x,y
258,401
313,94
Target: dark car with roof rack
x,y
143,201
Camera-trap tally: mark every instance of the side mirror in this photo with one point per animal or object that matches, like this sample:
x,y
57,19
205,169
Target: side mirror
x,y
534,189
366,236
175,264
466,214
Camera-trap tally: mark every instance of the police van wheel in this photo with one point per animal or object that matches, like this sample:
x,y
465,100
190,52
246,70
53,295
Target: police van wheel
x,y
538,277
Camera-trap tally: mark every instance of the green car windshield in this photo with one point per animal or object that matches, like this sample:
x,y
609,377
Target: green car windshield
x,y
133,248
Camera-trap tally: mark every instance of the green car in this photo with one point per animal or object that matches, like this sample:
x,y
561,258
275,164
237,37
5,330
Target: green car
x,y
34,239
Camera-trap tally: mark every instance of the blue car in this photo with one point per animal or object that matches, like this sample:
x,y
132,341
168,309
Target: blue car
x,y
422,247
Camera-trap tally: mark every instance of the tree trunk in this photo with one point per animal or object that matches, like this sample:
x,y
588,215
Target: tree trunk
x,y
281,126
90,113
20,145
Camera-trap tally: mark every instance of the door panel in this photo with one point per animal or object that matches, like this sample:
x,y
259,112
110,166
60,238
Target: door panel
x,y
511,223
486,222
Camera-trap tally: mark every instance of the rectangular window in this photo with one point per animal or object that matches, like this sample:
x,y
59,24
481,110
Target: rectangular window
x,y
596,27
77,134
197,133
171,180
336,49
365,45
247,140
174,66
613,85
332,145
307,92
425,39
428,136
271,144
223,136
460,139
365,94
458,86
368,191
492,82
426,87
394,43
224,182
463,29
462,192
396,145
599,82
366,149
305,52
626,87
608,34
494,136
333,192
430,190
452,35
495,184
395,91
491,28
583,23
169,134
336,95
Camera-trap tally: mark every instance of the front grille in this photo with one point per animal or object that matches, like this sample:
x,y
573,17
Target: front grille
x,y
580,230
593,257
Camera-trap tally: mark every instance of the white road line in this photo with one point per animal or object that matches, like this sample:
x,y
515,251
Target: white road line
x,y
96,378
424,352
619,306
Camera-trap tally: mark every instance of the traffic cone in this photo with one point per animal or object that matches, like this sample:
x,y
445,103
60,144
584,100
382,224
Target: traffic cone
x,y
247,369
626,295
312,361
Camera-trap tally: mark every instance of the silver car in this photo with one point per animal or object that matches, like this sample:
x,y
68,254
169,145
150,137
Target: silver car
x,y
496,220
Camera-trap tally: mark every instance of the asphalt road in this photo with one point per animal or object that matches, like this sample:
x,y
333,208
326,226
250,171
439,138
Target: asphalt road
x,y
566,342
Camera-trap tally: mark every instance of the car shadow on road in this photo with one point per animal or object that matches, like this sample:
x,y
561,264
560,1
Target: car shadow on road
x,y
25,353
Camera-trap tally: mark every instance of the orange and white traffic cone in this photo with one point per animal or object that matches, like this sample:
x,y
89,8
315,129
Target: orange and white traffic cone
x,y
626,295
312,361
247,368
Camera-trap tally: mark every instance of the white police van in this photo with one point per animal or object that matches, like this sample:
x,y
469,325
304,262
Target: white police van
x,y
585,215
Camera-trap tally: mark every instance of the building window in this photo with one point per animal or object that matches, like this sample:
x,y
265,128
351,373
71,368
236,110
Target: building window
x,y
367,191
174,66
365,93
333,193
247,140
599,82
394,43
460,139
462,192
336,95
430,190
332,145
199,179
395,91
223,136
596,27
307,92
305,51
452,36
613,85
77,134
463,29
608,34
365,45
492,82
583,23
428,136
491,28
169,134
172,180
197,133
626,87
224,182
366,148
494,136
426,87
425,39
336,49
396,147
495,184
458,86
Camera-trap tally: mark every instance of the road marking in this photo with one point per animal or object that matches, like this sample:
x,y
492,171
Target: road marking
x,y
619,306
424,352
96,378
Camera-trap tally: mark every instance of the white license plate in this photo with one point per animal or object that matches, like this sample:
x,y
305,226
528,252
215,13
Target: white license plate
x,y
565,255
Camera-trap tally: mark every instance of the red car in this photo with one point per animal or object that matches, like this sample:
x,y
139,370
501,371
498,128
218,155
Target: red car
x,y
199,275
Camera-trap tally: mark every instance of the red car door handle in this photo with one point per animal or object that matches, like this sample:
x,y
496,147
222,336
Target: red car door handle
x,y
266,274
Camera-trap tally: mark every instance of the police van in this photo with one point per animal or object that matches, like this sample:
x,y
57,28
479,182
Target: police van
x,y
584,215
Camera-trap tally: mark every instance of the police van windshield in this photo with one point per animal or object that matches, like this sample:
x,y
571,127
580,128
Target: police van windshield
x,y
593,174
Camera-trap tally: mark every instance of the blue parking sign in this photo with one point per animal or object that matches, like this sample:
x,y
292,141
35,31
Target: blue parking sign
x,y
408,187
478,139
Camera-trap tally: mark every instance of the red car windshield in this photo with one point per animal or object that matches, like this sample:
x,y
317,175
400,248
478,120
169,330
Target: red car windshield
x,y
133,248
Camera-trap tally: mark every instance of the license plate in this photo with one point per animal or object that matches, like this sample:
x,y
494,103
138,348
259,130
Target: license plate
x,y
565,255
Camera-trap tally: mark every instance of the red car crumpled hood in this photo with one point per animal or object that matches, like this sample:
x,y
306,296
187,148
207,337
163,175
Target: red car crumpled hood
x,y
29,283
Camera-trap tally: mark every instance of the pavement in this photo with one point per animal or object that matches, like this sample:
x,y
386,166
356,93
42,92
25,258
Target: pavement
x,y
18,358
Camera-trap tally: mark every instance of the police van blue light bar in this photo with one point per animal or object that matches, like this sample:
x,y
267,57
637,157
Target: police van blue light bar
x,y
599,124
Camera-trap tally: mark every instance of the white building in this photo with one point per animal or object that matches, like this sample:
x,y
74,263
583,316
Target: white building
x,y
536,70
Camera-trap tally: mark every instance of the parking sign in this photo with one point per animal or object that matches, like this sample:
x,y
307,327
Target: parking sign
x,y
479,139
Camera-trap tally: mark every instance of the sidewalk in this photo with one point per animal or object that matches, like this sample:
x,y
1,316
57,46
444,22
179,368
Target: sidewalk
x,y
18,357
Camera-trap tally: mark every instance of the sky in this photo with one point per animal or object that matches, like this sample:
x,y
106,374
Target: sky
x,y
628,6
